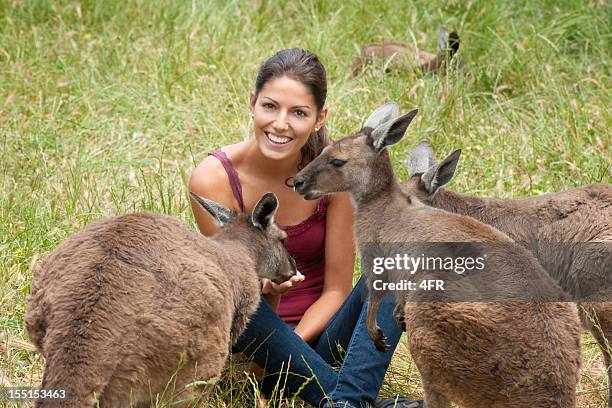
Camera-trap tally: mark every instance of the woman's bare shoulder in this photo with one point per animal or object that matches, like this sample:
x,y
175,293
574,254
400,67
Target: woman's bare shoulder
x,y
341,201
209,179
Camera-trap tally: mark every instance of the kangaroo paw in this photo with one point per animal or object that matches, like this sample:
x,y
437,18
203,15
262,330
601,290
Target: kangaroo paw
x,y
399,315
380,341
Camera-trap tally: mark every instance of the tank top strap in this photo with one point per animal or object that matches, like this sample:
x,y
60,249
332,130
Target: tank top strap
x,y
232,175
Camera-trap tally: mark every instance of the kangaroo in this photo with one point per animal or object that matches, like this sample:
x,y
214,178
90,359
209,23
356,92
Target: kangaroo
x,y
510,353
134,306
569,232
403,56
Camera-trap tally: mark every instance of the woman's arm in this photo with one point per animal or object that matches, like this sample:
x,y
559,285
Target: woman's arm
x,y
339,265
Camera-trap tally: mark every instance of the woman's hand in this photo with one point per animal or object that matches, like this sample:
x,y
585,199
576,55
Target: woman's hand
x,y
272,292
270,288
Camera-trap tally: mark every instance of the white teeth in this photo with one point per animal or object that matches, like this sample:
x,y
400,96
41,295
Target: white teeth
x,y
278,139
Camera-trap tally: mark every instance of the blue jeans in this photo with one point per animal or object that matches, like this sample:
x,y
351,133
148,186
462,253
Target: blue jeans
x,y
308,371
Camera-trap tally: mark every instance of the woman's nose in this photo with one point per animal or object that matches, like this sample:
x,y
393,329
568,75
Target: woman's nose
x,y
280,122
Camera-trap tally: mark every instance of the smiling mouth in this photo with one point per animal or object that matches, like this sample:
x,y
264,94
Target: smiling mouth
x,y
277,139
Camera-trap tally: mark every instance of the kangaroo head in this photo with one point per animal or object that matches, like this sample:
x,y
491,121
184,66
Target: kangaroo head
x,y
427,174
353,163
261,233
448,42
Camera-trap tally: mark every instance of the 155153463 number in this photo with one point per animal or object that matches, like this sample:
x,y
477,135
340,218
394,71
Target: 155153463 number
x,y
15,394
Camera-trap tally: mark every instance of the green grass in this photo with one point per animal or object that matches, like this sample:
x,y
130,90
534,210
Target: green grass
x,y
105,107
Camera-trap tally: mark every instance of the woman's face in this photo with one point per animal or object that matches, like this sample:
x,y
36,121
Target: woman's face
x,y
285,115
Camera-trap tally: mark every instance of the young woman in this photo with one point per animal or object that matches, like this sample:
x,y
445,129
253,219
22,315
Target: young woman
x,y
300,337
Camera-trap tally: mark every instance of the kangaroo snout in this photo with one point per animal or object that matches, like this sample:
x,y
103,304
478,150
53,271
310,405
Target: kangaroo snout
x,y
300,187
291,272
304,188
286,276
285,271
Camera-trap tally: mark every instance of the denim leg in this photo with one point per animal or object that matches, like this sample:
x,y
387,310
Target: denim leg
x,y
340,328
363,369
273,345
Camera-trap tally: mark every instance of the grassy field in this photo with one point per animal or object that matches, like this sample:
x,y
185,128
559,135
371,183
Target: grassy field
x,y
105,107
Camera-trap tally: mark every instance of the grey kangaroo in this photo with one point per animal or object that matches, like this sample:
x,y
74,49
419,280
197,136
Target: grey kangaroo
x,y
400,56
134,304
569,232
474,354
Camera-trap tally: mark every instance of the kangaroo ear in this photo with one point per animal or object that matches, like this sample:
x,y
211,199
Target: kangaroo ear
x,y
442,44
453,43
263,212
382,115
421,158
391,132
221,214
441,173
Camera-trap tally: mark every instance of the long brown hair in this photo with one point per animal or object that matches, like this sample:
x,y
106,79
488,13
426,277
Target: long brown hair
x,y
303,66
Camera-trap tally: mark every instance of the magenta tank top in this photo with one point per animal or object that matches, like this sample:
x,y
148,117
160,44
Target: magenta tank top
x,y
305,243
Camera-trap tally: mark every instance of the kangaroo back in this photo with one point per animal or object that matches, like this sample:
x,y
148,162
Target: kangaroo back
x,y
134,306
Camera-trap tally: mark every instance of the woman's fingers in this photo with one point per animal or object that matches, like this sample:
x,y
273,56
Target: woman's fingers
x,y
269,287
266,287
282,288
297,279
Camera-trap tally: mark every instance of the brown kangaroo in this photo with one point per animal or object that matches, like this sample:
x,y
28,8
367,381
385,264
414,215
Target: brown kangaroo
x,y
475,354
403,56
135,306
569,232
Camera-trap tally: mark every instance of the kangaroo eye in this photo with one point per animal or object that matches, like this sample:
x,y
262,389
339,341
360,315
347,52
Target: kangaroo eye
x,y
337,162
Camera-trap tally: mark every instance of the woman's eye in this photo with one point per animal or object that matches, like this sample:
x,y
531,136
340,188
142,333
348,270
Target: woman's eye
x,y
268,105
300,113
337,162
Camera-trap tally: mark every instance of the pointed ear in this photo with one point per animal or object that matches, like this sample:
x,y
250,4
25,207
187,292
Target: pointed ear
x,y
263,212
382,115
221,214
442,44
421,158
391,132
453,43
441,173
